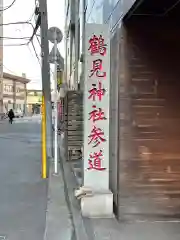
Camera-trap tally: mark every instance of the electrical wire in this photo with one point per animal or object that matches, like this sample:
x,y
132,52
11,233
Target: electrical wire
x,y
31,17
38,40
31,40
14,45
37,56
15,23
33,81
36,53
6,8
9,70
15,38
38,23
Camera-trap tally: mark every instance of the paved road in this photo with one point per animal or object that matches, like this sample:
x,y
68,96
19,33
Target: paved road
x,y
23,194
33,119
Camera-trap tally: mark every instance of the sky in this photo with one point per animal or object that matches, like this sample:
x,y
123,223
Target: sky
x,y
22,59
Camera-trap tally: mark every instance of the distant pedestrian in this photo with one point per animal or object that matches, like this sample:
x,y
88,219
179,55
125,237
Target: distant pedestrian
x,y
11,116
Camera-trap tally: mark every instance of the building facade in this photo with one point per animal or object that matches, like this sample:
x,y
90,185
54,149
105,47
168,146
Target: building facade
x,y
110,12
14,92
78,13
144,103
34,101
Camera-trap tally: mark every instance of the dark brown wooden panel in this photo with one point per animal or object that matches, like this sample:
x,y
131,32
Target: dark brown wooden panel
x,y
149,130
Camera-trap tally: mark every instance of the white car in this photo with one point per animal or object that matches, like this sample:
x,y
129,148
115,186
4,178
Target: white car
x,y
18,114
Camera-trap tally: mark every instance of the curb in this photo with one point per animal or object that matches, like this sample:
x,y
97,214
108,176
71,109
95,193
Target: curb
x,y
70,184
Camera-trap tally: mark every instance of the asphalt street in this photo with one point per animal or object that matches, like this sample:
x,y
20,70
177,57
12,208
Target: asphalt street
x,y
23,194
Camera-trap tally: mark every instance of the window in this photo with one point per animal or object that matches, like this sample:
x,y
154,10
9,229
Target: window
x,y
8,88
17,89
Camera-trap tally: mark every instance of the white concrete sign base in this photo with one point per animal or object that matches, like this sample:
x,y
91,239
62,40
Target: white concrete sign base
x,y
98,205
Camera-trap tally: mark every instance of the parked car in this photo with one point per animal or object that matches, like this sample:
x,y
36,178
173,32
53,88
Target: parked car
x,y
18,114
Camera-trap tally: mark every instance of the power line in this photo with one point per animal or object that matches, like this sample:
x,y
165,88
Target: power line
x,y
30,19
36,53
14,45
38,23
15,23
35,79
15,38
38,40
30,51
8,69
6,8
31,41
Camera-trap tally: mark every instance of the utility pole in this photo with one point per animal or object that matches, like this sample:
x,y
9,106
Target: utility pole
x,y
46,76
1,57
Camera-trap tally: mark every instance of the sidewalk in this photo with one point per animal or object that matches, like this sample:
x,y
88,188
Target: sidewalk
x,y
58,220
59,225
111,229
66,222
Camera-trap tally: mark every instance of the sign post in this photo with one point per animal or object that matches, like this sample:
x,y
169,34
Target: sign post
x,y
56,114
96,122
55,36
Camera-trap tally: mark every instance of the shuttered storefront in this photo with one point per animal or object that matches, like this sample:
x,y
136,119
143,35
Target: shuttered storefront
x,y
149,127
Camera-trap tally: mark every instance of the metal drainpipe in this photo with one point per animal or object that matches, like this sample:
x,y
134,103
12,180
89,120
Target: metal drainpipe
x,y
76,42
83,44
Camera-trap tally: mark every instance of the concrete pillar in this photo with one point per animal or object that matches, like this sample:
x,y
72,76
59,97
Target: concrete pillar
x,y
98,199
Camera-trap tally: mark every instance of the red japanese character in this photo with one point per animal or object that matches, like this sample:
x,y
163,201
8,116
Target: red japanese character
x,y
95,161
96,69
96,114
97,45
96,136
94,92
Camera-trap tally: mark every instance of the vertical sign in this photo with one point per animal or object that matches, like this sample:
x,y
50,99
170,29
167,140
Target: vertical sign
x,y
96,106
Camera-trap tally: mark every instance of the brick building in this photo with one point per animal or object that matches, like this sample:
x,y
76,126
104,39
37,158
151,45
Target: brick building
x,y
14,92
